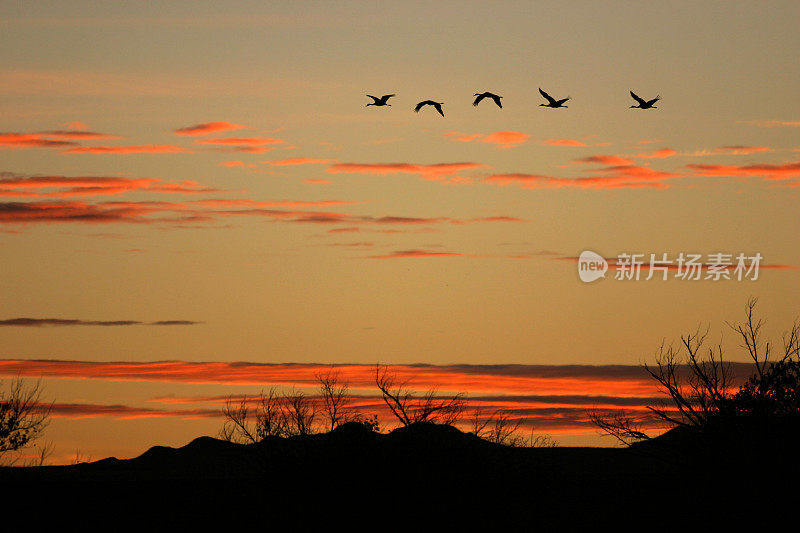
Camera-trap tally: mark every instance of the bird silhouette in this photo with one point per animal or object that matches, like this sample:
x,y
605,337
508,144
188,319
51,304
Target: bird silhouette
x,y
481,96
552,102
645,104
437,105
380,101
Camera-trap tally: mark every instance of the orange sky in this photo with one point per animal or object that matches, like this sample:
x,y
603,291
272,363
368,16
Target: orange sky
x,y
203,183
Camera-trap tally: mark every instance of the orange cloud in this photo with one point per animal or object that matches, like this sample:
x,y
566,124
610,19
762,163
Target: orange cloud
x,y
564,142
254,145
606,160
316,181
658,154
622,177
66,187
444,172
207,128
138,149
244,202
767,171
299,161
613,380
31,140
79,135
504,139
550,397
244,141
743,150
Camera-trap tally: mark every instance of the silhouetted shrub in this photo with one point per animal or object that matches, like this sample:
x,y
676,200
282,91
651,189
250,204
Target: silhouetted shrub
x,y
704,403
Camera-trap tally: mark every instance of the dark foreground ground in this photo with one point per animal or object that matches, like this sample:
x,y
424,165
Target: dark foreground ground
x,y
416,470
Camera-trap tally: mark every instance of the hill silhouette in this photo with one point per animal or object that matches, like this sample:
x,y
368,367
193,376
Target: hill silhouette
x,y
412,468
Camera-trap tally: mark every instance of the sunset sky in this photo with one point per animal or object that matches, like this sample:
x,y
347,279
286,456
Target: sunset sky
x,y
202,183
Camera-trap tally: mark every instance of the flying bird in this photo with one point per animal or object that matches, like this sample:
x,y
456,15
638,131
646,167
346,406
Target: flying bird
x,y
437,105
380,101
645,104
481,96
552,102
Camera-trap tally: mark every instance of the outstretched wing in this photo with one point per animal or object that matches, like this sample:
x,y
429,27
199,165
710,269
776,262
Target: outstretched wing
x,y
420,106
377,100
386,97
653,101
547,96
439,109
478,99
497,101
641,102
562,102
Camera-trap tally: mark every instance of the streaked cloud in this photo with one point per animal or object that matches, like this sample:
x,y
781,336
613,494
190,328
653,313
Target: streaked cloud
x,y
443,172
130,149
775,123
44,322
414,253
243,144
31,140
23,186
207,128
764,170
743,150
299,161
79,135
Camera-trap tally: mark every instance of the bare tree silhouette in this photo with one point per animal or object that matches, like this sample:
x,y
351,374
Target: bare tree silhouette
x,y
335,401
701,395
498,427
23,417
300,414
410,409
501,427
271,414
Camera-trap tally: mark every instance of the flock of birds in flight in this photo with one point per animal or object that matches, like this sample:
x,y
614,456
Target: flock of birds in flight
x,y
551,102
